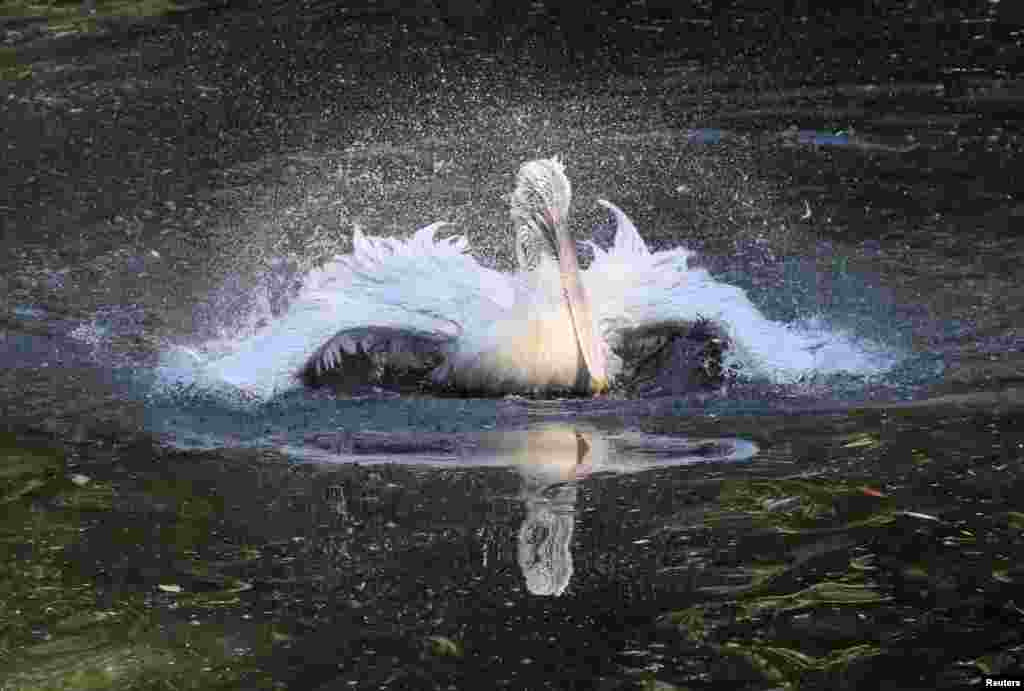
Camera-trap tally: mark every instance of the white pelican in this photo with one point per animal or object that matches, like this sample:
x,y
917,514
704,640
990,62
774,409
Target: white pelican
x,y
540,337
542,340
424,313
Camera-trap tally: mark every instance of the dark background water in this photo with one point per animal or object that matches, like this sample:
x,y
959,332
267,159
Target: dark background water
x,y
159,176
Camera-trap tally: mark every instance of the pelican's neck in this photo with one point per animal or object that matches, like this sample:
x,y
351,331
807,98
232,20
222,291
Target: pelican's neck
x,y
541,285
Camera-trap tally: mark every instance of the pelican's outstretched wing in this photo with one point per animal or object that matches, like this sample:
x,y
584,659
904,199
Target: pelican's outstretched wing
x,y
634,289
420,291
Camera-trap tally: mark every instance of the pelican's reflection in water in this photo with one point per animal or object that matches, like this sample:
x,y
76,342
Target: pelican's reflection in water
x,y
551,461
545,539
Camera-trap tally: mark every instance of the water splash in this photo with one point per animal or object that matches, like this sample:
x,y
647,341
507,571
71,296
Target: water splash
x,y
436,286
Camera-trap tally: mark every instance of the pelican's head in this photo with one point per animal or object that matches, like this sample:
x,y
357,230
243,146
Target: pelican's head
x,y
542,197
540,204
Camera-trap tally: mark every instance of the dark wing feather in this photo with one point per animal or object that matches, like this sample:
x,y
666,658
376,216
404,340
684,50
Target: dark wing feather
x,y
354,360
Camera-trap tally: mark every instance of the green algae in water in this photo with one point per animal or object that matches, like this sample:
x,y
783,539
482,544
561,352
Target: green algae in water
x,y
23,471
68,15
53,635
797,506
788,666
441,646
1013,519
11,67
658,685
829,593
82,664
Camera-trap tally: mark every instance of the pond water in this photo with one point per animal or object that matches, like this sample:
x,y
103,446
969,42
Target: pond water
x,y
169,185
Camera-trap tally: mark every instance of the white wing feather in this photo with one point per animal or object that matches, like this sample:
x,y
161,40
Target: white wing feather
x,y
630,286
422,283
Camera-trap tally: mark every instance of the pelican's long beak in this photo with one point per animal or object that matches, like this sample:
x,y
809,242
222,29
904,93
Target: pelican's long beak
x,y
579,305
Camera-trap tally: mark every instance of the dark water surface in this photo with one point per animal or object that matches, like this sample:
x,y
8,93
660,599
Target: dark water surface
x,y
166,183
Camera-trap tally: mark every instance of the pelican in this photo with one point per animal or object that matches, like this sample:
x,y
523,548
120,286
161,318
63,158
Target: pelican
x,y
541,339
423,313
